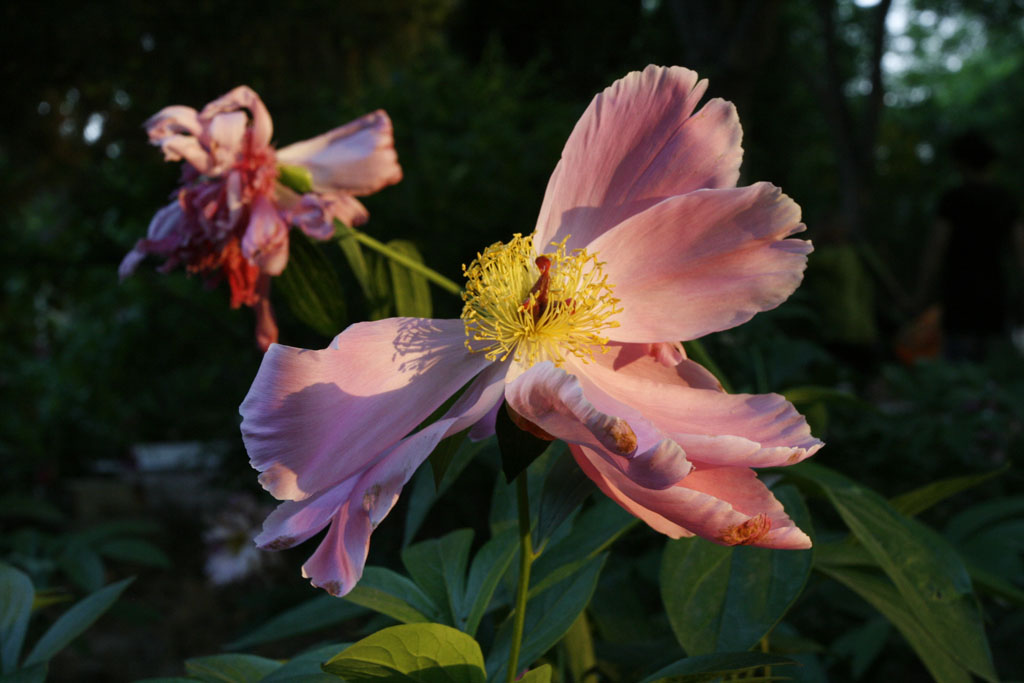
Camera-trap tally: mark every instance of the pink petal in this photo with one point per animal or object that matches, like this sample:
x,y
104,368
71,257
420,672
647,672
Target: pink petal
x,y
165,234
338,562
709,503
635,145
703,262
358,158
554,400
174,120
266,238
313,418
224,136
314,213
243,97
687,404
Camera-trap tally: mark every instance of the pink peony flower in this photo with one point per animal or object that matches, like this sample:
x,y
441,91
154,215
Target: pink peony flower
x,y
230,217
642,240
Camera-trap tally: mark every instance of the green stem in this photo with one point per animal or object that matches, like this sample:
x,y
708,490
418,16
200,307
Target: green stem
x,y
526,558
413,265
695,350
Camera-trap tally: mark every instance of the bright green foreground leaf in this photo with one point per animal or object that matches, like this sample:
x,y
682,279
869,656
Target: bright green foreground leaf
x,y
72,623
926,570
721,599
541,674
709,667
419,653
16,592
233,668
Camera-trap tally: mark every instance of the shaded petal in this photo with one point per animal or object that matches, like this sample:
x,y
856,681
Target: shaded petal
x,y
635,145
357,158
711,503
164,235
314,213
554,400
316,417
338,562
243,97
727,260
224,136
174,120
293,522
687,404
266,238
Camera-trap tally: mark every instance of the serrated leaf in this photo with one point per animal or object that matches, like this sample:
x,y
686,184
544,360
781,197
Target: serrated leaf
x,y
726,598
421,653
438,567
925,569
886,599
16,594
709,667
410,289
489,565
136,551
72,623
917,501
311,287
231,668
390,593
313,615
565,489
548,617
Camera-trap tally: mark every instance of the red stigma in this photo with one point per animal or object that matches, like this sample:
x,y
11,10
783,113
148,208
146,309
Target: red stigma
x,y
537,302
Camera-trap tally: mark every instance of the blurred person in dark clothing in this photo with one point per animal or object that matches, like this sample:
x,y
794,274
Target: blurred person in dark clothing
x,y
977,227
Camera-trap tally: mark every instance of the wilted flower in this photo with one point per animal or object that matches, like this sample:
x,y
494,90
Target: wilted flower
x,y
642,240
231,215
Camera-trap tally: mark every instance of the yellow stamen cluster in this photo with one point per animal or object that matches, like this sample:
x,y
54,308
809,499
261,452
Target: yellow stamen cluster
x,y
507,312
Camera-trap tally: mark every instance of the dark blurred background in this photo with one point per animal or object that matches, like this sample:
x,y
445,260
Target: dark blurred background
x,y
848,106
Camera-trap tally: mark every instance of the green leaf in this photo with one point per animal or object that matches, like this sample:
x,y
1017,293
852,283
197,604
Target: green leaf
x,y
30,674
28,507
307,666
82,565
410,289
982,517
313,615
390,593
565,489
438,566
311,287
917,501
578,645
426,491
356,260
925,569
592,532
72,623
232,668
541,674
489,565
710,667
298,178
518,448
136,551
16,593
940,662
548,617
422,653
726,598
443,456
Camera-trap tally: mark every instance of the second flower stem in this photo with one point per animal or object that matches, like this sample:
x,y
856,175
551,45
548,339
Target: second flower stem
x,y
526,558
